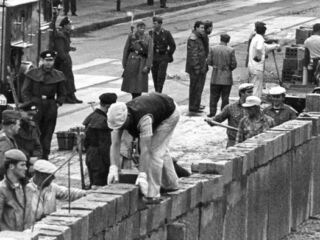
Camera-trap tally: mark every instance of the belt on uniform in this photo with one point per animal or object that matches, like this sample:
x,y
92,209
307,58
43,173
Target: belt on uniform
x,y
44,97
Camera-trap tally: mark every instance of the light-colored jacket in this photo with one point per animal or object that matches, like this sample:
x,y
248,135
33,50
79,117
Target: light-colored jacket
x,y
47,200
223,61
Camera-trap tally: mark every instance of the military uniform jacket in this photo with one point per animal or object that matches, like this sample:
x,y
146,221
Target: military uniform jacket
x,y
6,144
196,53
163,45
41,83
62,46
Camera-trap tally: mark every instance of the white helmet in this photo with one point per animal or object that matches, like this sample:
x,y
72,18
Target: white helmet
x,y
3,100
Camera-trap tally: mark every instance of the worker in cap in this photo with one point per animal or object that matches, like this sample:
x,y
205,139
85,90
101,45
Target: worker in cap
x,y
42,185
164,47
254,122
152,118
257,51
28,136
45,87
63,63
98,141
278,110
222,58
10,127
234,112
12,191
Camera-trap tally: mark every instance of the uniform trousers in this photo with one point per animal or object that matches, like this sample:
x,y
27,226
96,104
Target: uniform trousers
x,y
73,6
159,73
195,90
161,172
217,91
46,118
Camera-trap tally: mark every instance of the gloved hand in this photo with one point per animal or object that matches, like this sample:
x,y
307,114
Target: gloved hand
x,y
142,183
146,70
208,120
113,175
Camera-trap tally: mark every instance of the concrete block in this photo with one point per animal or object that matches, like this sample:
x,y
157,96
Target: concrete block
x,y
112,233
158,214
194,167
249,150
191,222
279,198
176,231
211,220
57,231
220,167
161,233
315,176
312,102
143,221
78,227
315,122
136,225
212,186
11,235
181,200
234,226
301,179
257,203
195,189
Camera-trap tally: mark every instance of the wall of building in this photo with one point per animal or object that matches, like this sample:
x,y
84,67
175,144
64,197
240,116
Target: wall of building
x,y
259,189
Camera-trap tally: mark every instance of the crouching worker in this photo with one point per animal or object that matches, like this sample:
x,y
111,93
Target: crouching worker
x,y
12,191
152,118
41,189
98,141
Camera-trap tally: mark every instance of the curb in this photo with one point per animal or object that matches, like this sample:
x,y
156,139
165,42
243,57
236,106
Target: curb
x,y
109,22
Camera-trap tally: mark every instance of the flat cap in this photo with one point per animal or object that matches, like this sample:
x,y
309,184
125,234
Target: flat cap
x,y
117,115
48,54
245,86
157,19
277,90
10,116
252,101
65,21
44,166
108,98
28,106
3,100
15,154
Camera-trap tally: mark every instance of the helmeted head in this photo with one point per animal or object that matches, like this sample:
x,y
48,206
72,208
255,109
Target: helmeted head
x,y
277,95
15,161
117,115
252,105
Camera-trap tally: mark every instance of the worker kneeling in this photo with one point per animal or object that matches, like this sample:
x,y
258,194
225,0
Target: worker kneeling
x,y
152,118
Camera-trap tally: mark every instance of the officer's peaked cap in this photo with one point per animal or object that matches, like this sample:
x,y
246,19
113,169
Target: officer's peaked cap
x,y
28,106
48,54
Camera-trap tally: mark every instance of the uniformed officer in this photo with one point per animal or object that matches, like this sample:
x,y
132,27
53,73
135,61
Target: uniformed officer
x,y
10,127
12,192
45,86
63,61
279,111
28,137
98,141
163,49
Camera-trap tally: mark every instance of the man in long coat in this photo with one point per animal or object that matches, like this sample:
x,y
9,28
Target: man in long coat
x,y
137,61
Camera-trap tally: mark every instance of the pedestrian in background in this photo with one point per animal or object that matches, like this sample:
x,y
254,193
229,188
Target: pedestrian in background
x,y
67,4
257,54
234,112
254,122
45,86
137,61
12,192
98,141
63,61
279,111
222,58
163,49
196,66
10,127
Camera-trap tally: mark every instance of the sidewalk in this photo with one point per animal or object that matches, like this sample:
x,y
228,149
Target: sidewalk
x,y
97,14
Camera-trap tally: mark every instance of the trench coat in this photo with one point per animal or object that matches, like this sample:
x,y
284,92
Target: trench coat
x,y
133,62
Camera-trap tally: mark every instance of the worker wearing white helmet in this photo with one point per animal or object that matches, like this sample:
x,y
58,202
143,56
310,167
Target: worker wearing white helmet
x,y
279,111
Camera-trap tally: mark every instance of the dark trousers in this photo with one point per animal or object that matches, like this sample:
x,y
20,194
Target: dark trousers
x,y
159,73
217,91
98,162
46,118
195,90
163,3
66,68
135,95
66,4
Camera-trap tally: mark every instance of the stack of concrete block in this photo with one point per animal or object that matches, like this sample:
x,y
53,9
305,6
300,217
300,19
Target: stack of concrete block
x,y
10,235
302,33
293,64
312,102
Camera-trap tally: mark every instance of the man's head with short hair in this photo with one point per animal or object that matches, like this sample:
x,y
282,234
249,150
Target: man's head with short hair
x,y
141,26
199,26
260,28
316,28
208,27
225,38
157,23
